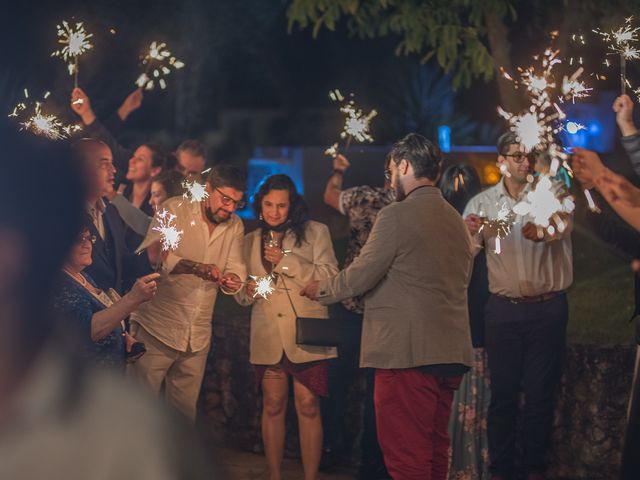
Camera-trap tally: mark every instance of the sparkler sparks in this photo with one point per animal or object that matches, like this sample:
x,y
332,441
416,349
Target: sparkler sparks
x,y
621,42
264,286
357,124
35,120
159,63
195,191
170,235
500,227
75,41
543,204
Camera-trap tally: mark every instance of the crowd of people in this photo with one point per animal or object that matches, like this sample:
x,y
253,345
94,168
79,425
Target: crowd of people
x,y
450,329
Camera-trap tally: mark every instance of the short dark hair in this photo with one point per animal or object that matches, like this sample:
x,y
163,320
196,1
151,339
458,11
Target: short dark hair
x,y
194,147
35,171
298,210
506,139
171,181
227,176
424,156
158,155
459,184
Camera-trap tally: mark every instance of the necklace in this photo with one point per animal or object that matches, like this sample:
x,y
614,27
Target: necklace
x,y
77,277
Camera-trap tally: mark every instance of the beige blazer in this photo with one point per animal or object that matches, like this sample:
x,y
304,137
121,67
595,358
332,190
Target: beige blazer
x,y
273,326
415,266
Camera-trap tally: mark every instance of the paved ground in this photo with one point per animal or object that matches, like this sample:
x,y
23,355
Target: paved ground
x,y
250,466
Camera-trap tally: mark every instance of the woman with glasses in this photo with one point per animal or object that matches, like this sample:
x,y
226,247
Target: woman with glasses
x,y
97,315
293,250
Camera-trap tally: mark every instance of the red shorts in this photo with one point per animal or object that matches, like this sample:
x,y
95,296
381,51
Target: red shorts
x,y
313,375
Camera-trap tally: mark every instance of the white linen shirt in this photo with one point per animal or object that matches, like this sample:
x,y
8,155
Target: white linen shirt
x,y
180,314
524,268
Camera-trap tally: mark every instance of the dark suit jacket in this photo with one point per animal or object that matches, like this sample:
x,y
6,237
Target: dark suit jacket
x,y
108,254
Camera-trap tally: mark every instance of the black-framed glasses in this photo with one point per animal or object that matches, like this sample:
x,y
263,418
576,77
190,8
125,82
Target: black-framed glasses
x,y
387,174
86,238
227,200
519,157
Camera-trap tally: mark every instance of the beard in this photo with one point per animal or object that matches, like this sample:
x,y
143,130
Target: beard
x,y
399,189
214,218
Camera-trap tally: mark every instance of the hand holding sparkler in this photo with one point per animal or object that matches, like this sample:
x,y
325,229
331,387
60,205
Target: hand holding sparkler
x,y
623,106
230,283
130,104
340,163
81,105
474,223
143,290
587,167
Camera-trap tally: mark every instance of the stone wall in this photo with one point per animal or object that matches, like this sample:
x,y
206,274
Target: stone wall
x,y
588,429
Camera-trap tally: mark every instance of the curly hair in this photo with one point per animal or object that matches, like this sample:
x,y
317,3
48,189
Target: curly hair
x,y
298,210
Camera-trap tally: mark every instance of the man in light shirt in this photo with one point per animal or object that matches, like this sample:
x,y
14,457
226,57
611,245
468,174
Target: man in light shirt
x,y
526,315
176,325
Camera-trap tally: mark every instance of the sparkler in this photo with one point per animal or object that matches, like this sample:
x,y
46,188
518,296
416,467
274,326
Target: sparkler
x,y
35,120
500,226
357,124
543,205
621,42
264,286
170,235
195,191
159,62
75,41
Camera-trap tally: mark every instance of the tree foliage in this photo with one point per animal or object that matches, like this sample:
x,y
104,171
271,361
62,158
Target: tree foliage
x,y
451,31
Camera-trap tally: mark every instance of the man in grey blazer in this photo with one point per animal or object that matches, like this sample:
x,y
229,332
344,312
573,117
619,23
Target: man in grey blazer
x,y
414,268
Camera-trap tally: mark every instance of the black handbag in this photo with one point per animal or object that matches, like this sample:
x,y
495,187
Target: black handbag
x,y
315,332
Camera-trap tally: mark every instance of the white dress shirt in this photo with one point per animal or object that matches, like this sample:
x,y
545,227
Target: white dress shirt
x,y
96,212
524,268
180,313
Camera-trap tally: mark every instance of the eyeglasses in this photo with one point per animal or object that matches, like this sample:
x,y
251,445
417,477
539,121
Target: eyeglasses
x,y
227,200
519,157
86,238
387,174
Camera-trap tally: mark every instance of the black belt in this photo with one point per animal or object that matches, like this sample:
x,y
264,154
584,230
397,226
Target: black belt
x,y
535,299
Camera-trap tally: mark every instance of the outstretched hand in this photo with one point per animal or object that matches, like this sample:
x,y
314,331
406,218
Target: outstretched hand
x,y
623,106
131,104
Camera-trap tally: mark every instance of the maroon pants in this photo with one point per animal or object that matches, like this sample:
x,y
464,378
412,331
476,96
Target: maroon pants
x,y
412,416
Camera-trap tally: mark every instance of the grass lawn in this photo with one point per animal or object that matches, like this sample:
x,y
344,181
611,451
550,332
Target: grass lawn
x,y
600,300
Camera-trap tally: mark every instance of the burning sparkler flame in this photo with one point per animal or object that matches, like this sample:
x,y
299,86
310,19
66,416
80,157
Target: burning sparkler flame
x,y
264,286
195,191
75,42
170,235
542,203
41,123
158,60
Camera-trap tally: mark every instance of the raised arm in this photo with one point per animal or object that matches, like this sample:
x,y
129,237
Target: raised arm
x,y
333,190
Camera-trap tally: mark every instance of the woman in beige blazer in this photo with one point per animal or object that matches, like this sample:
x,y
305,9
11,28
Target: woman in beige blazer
x,y
295,250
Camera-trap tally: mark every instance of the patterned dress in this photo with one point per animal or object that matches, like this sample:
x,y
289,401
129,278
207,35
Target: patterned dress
x,y
361,204
77,305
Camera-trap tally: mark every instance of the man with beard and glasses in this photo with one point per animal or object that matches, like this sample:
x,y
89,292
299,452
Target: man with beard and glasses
x,y
176,325
526,315
414,271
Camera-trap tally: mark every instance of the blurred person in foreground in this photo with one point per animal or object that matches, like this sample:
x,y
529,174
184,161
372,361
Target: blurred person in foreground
x,y
59,419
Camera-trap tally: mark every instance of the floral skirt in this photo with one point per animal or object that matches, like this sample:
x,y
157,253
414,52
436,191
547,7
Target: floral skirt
x,y
468,423
313,375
